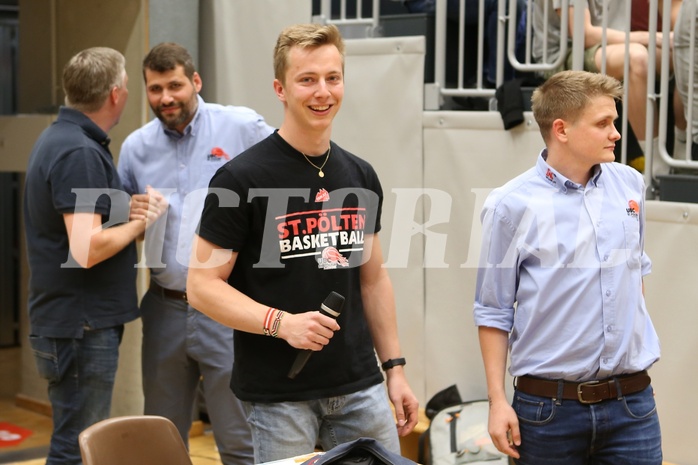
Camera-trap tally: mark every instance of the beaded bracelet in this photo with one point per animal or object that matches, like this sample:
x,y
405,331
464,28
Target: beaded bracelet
x,y
277,323
267,321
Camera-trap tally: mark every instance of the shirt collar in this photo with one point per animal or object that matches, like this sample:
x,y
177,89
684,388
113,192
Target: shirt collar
x,y
552,177
91,129
596,174
557,180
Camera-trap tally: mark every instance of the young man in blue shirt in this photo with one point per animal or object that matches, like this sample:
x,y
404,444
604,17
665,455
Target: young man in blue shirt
x,y
560,287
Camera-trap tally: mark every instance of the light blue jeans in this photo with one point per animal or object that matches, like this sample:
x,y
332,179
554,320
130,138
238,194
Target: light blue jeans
x,y
621,431
80,375
288,429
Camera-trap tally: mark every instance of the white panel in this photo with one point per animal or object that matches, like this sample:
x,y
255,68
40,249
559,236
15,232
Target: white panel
x,y
380,121
671,294
466,155
236,48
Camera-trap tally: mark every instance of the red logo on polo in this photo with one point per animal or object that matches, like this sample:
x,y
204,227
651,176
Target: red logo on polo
x,y
550,175
217,152
633,209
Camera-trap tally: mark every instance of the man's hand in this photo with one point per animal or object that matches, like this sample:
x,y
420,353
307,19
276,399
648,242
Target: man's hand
x,y
147,207
308,330
404,401
504,428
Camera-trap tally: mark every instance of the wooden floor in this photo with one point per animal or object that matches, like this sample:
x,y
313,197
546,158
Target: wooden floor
x,y
202,447
32,451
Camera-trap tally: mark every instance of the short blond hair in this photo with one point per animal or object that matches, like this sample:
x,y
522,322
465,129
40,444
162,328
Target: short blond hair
x,y
89,77
566,94
304,36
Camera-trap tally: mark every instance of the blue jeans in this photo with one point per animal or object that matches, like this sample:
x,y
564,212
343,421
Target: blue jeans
x,y
288,429
80,375
621,431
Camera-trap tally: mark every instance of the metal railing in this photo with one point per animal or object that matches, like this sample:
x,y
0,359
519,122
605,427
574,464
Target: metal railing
x,y
367,26
437,92
675,161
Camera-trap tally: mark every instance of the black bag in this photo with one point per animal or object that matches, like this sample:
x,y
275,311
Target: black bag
x,y
510,103
457,433
362,451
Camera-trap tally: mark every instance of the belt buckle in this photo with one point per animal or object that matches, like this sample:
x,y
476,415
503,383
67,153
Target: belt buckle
x,y
579,392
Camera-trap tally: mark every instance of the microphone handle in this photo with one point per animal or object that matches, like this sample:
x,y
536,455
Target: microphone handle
x,y
331,307
300,361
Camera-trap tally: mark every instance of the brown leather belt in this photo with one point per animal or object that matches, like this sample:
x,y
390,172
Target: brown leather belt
x,y
589,392
170,293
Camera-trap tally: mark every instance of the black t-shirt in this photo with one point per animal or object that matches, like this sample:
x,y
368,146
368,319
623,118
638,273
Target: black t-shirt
x,y
63,297
298,237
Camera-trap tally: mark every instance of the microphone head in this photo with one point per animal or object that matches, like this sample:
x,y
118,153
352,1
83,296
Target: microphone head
x,y
333,304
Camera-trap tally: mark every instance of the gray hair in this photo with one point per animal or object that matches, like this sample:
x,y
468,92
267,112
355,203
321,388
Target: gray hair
x,y
89,77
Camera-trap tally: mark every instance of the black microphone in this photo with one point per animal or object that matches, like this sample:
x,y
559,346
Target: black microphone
x,y
332,307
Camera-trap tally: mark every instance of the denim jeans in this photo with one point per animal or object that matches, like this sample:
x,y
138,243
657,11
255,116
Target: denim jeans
x,y
80,375
621,431
288,429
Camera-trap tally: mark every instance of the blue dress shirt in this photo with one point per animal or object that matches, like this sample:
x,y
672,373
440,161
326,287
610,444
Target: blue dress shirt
x,y
181,166
561,270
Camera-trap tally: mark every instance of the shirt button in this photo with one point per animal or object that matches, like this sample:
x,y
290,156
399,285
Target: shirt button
x,y
608,293
609,328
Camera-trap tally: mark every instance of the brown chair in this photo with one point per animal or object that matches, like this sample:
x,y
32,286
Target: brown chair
x,y
133,440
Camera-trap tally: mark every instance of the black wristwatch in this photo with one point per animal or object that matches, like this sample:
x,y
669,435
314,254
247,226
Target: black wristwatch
x,y
393,362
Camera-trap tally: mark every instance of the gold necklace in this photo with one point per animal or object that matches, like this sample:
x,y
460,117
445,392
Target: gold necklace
x,y
319,168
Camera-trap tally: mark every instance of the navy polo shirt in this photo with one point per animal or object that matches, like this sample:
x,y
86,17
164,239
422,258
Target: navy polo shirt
x,y
72,171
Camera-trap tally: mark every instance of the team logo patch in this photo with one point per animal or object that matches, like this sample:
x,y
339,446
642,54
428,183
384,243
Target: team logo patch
x,y
633,209
550,176
322,196
217,153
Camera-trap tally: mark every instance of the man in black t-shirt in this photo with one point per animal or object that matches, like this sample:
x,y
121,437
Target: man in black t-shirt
x,y
286,223
80,227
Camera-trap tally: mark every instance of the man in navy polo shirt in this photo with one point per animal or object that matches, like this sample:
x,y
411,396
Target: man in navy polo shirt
x,y
80,232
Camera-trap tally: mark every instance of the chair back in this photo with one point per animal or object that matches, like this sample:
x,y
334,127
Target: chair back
x,y
133,440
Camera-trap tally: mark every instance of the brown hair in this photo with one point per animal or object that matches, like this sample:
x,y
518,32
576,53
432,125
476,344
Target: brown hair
x,y
304,35
89,77
166,57
566,94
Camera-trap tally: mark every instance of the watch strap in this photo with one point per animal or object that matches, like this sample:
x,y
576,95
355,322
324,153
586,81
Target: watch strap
x,y
393,362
